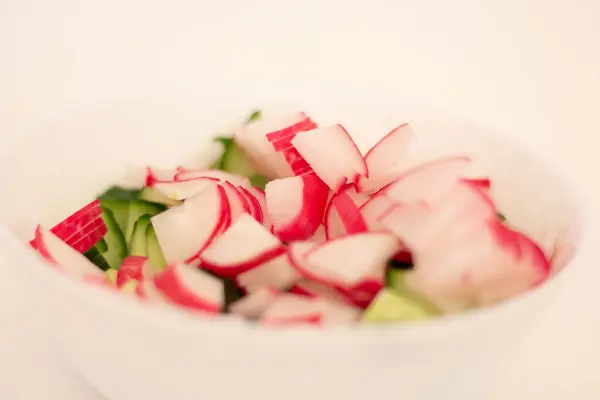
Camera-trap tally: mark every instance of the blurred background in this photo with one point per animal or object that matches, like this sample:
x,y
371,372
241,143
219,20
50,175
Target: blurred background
x,y
528,67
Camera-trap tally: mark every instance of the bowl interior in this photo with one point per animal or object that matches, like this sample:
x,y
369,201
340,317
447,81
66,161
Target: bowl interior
x,y
56,167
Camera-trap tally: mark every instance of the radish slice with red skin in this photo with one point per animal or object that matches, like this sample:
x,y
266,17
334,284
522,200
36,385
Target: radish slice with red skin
x,y
485,266
245,245
222,176
307,287
385,159
181,190
348,215
287,126
344,262
373,209
290,309
428,182
296,206
88,236
277,272
255,207
184,231
482,183
191,288
332,154
252,138
260,196
320,235
153,176
238,204
132,268
254,305
64,257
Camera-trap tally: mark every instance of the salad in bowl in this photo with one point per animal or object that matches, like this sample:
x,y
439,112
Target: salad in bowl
x,y
291,224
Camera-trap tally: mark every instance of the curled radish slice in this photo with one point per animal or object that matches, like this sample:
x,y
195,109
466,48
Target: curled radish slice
x,y
64,257
296,206
344,262
332,155
183,232
343,217
386,160
133,268
245,245
191,288
254,205
277,272
260,196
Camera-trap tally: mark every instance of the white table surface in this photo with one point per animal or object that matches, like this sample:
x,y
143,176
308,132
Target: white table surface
x,y
529,67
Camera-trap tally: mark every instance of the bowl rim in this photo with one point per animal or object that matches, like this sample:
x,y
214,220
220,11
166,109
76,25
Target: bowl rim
x,y
174,319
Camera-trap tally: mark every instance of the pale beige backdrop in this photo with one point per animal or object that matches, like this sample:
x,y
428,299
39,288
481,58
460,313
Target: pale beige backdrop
x,y
528,67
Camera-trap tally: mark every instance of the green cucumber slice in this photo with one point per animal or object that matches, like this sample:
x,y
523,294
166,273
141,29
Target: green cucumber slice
x,y
102,246
137,245
393,306
115,241
97,259
155,254
137,209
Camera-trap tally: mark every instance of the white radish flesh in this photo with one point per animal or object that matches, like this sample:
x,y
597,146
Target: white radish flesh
x,y
183,232
182,190
245,245
254,305
277,272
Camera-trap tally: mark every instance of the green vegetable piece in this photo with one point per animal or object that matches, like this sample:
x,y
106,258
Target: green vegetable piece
x,y
111,276
138,244
97,259
259,181
255,116
102,246
116,248
501,216
120,193
392,306
155,254
137,209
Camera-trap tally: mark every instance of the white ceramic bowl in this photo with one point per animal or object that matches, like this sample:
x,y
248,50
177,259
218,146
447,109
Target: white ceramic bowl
x,y
129,351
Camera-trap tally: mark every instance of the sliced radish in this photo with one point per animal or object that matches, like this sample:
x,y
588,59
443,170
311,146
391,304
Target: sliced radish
x,y
296,206
64,257
332,154
287,126
154,176
277,273
222,176
344,262
320,235
343,217
181,190
253,203
373,209
385,160
134,268
183,232
245,245
290,309
307,287
78,221
88,236
421,225
252,138
482,183
191,288
262,201
254,305
238,204
428,182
